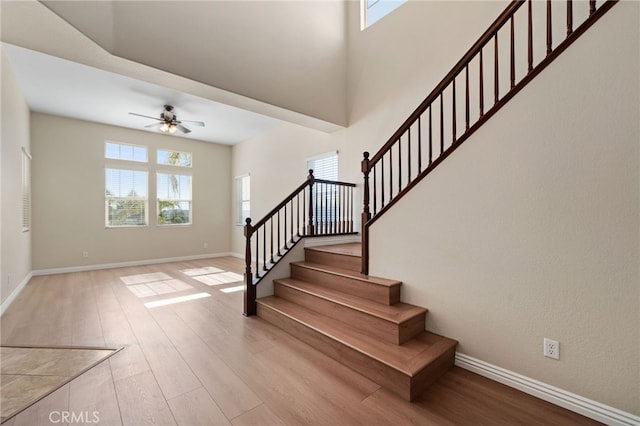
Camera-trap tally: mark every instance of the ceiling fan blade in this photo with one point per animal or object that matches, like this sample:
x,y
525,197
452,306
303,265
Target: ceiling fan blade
x,y
194,123
182,128
146,116
152,125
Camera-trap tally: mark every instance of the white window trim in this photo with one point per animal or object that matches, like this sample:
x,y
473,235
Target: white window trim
x,y
239,219
106,198
158,199
146,151
190,166
322,156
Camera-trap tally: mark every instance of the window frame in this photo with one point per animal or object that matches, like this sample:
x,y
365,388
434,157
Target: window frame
x,y
108,199
190,155
367,5
175,201
121,144
241,200
331,154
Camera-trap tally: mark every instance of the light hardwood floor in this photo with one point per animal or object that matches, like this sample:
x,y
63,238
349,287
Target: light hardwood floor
x,y
201,362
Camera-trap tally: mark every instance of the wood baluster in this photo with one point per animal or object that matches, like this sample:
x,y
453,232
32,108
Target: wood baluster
x,y
292,233
549,28
569,17
481,82
264,248
310,227
530,36
257,234
286,247
327,223
272,250
381,182
441,124
351,209
430,135
453,109
390,175
420,143
466,96
375,204
409,155
496,82
513,54
592,7
249,289
399,165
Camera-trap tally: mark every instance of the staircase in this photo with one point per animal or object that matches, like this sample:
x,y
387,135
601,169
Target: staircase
x,y
358,320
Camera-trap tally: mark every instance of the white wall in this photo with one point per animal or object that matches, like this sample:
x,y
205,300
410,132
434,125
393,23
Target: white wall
x,y
15,245
530,229
277,163
68,197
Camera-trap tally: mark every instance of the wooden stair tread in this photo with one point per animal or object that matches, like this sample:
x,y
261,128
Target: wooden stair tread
x,y
409,358
397,313
348,249
348,274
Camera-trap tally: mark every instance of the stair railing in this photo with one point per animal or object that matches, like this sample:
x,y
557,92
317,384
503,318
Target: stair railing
x,y
317,207
457,107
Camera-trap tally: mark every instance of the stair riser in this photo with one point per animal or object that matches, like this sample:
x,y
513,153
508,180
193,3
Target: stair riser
x,y
361,321
376,371
352,263
378,293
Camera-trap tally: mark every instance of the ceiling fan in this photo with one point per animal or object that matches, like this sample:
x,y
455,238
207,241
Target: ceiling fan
x,y
168,121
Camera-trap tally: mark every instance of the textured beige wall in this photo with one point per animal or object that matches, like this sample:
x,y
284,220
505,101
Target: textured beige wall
x,y
68,191
15,245
530,229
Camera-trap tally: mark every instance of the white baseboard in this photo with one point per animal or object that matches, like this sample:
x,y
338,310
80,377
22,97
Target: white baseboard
x,y
15,293
587,407
82,268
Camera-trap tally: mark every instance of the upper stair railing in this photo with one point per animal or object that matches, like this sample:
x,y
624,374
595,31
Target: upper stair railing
x,y
317,207
515,48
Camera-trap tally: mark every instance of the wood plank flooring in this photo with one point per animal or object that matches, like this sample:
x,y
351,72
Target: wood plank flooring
x,y
200,361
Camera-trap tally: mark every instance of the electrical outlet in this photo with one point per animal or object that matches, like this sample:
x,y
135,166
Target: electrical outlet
x,y
205,245
551,348
85,254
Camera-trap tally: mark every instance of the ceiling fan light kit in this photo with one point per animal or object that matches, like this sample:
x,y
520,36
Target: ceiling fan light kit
x,y
168,121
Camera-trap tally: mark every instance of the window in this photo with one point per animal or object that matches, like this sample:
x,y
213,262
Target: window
x,y
126,201
174,199
174,158
243,199
26,190
324,166
123,151
374,10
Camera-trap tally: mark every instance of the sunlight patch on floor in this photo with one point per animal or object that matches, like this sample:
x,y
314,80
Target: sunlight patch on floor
x,y
174,300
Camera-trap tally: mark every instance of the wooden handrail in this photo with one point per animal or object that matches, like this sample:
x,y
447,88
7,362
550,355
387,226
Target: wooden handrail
x,y
373,167
318,207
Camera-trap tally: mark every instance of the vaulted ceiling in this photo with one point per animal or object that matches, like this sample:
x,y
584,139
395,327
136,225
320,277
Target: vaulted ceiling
x,y
240,66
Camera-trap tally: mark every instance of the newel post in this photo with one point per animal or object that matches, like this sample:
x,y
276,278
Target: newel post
x,y
250,289
366,214
310,227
